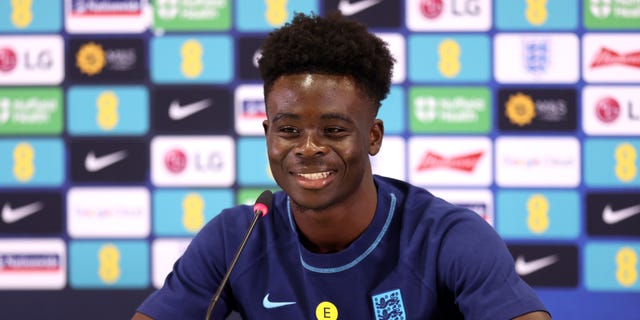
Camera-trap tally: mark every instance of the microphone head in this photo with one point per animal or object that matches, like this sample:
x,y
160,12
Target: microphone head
x,y
263,203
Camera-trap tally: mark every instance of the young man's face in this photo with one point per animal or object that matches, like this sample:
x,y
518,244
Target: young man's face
x,y
320,132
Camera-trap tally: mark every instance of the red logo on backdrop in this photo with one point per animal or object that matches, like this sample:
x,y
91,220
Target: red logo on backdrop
x,y
465,163
431,9
175,161
8,59
607,109
608,57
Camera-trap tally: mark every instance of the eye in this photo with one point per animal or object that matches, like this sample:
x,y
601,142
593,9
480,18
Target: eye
x,y
287,130
334,131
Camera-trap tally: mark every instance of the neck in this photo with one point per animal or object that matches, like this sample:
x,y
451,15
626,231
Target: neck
x,y
334,228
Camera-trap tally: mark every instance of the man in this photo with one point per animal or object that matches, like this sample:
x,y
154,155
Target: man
x,y
340,242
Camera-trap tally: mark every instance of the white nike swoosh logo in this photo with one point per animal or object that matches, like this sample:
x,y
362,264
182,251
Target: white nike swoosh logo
x,y
610,216
348,9
93,163
271,304
11,215
524,268
178,112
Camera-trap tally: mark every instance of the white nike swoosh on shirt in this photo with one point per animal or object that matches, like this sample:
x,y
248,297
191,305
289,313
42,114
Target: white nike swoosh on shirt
x,y
11,215
93,163
348,9
610,216
524,268
179,112
271,304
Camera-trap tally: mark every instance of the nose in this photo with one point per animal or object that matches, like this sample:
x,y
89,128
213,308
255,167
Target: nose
x,y
311,146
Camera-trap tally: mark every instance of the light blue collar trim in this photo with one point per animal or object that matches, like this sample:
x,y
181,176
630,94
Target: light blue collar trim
x,y
392,207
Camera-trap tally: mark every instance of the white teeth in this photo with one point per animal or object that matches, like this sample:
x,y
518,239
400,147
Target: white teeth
x,y
315,176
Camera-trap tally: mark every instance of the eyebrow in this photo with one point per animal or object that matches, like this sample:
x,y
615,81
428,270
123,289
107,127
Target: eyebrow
x,y
328,116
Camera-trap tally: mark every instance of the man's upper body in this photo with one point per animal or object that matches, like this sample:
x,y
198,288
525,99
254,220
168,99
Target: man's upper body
x,y
419,258
340,243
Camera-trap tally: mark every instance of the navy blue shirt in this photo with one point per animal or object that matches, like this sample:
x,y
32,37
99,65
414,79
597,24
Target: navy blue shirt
x,y
420,258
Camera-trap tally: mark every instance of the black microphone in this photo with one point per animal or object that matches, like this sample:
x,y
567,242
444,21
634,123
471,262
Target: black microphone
x,y
262,206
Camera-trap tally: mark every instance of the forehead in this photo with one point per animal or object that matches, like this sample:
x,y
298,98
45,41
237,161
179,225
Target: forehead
x,y
316,92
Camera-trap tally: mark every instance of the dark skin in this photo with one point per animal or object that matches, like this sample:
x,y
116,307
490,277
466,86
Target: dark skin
x,y
320,131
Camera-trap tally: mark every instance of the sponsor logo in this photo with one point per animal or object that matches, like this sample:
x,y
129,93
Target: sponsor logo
x,y
607,109
613,214
431,9
536,15
525,268
610,266
466,163
201,161
452,15
107,16
479,201
250,110
248,53
389,305
349,8
115,160
373,13
34,163
12,215
548,265
607,57
448,59
268,304
545,57
8,59
108,264
93,163
538,214
29,263
31,213
611,57
31,16
440,161
108,110
537,110
611,162
537,162
196,109
203,59
192,15
611,14
179,112
35,264
105,7
122,60
106,212
31,111
182,213
448,109
610,216
536,58
611,110
31,60
91,59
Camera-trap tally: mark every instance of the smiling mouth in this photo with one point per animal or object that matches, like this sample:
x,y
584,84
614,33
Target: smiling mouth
x,y
315,175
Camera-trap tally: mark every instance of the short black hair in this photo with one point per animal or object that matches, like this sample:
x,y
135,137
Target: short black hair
x,y
332,45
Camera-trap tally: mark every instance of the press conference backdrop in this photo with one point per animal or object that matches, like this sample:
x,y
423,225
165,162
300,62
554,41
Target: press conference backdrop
x,y
125,125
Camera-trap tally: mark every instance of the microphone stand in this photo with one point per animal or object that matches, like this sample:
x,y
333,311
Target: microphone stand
x,y
260,210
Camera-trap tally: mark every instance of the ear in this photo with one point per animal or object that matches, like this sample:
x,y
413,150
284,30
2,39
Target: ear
x,y
375,136
265,126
